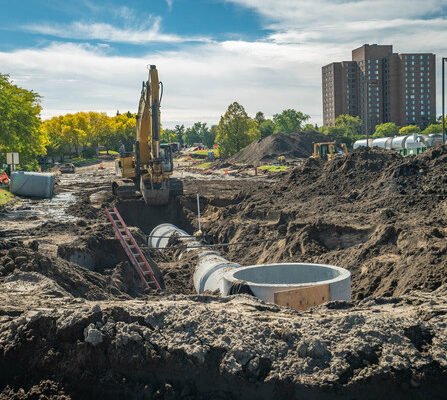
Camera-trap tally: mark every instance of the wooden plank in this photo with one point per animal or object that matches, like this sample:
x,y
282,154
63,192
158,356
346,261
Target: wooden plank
x,y
303,298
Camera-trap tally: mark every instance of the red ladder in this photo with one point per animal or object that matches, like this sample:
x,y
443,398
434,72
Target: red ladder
x,y
132,249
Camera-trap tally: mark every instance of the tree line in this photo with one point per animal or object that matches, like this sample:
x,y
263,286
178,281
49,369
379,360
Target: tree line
x,y
82,133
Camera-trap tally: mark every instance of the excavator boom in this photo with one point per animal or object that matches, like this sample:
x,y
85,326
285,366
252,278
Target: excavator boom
x,y
151,161
150,166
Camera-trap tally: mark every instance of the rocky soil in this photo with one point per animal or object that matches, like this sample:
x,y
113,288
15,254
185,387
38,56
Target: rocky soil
x,y
76,323
206,347
379,215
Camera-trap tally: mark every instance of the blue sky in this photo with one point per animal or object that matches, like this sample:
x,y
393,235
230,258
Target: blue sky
x,y
266,54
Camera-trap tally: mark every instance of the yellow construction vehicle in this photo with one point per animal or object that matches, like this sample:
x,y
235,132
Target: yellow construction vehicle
x,y
329,150
282,160
149,167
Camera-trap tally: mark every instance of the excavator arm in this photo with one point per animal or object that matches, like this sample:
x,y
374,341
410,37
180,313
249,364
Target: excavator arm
x,y
152,162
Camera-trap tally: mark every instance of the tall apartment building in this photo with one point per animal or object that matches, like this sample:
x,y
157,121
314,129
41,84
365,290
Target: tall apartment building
x,y
381,86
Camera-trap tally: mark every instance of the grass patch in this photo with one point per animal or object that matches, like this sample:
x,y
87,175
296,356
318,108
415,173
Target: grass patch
x,y
80,162
274,168
111,153
5,197
204,153
204,165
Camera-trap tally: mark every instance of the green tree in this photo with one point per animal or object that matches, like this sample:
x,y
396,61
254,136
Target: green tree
x,y
199,133
213,131
311,127
432,128
260,117
289,121
122,130
180,132
347,129
20,122
168,136
209,136
336,133
57,144
100,128
409,129
266,128
235,130
387,129
351,125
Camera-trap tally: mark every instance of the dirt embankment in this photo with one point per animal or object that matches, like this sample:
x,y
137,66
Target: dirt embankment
x,y
205,347
379,215
292,146
77,323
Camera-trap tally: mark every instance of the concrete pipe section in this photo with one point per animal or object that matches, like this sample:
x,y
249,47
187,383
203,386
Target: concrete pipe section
x,y
297,285
211,266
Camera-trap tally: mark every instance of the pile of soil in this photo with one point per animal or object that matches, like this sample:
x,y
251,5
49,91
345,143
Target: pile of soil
x,y
22,266
381,216
206,347
79,326
292,146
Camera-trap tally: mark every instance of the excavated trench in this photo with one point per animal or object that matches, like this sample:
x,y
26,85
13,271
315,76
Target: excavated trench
x,y
100,252
160,367
180,212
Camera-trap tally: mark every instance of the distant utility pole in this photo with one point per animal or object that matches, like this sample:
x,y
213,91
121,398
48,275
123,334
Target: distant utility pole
x,y
444,59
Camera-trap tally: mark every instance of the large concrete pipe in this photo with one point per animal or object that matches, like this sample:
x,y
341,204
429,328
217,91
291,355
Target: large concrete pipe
x,y
267,281
297,285
211,266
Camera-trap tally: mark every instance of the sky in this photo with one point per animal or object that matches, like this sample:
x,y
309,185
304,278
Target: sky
x,y
83,55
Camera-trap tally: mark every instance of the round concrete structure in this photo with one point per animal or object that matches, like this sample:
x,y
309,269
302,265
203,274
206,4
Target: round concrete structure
x,y
267,279
296,285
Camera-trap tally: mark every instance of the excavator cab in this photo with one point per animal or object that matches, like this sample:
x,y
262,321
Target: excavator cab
x,y
166,156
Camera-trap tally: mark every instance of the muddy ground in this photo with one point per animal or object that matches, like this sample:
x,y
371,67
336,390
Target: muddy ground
x,y
76,322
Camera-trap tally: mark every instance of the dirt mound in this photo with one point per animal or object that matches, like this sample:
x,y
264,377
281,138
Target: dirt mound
x,y
206,347
379,215
292,146
46,389
25,263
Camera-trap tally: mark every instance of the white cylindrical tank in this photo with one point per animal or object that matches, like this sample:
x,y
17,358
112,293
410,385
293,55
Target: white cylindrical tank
x,y
383,143
415,141
32,184
211,266
362,143
160,235
398,142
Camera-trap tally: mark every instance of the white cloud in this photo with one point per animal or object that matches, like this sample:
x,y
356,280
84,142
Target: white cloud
x,y
170,3
199,84
284,14
148,32
282,70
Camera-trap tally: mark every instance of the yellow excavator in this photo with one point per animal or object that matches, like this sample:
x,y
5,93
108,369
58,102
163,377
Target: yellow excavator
x,y
149,167
329,150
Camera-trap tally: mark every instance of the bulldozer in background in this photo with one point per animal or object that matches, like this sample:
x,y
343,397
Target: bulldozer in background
x,y
329,150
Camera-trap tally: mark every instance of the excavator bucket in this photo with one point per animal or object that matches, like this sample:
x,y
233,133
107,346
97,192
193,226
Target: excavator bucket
x,y
155,194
